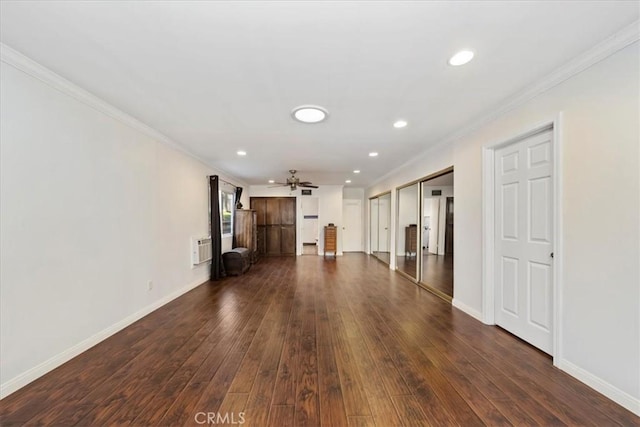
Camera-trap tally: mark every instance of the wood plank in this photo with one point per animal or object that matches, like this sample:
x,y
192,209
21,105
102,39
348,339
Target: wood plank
x,y
233,405
360,421
355,400
307,407
332,410
410,411
281,416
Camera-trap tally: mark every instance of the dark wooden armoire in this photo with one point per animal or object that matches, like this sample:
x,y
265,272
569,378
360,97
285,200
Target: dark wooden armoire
x,y
246,231
276,224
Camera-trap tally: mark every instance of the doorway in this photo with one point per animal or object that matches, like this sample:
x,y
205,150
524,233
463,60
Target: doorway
x,y
521,225
310,231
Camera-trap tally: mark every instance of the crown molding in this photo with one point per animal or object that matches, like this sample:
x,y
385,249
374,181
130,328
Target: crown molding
x,y
16,59
618,41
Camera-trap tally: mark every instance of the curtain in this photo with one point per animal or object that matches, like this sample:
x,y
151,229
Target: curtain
x,y
238,205
217,267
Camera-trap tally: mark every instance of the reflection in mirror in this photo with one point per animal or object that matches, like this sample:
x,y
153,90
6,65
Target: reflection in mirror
x,y
379,224
437,234
407,232
373,226
384,226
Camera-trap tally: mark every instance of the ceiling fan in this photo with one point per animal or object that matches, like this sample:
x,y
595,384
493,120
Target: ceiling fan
x,y
293,182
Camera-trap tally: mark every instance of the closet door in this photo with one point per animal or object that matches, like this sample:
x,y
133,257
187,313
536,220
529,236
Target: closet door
x,y
288,226
272,215
276,225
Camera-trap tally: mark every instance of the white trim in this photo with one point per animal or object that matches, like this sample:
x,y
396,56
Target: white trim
x,y
37,371
467,309
21,62
620,397
618,41
488,227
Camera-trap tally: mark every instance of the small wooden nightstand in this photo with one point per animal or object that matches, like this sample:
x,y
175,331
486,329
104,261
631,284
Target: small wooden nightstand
x,y
330,239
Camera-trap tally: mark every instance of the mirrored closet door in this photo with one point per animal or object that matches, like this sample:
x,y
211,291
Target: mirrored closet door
x,y
437,234
407,233
379,226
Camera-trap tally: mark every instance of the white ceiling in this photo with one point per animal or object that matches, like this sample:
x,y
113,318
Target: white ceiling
x,y
217,77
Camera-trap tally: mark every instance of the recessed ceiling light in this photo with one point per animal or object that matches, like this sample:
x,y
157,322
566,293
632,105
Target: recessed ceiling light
x,y
348,181
241,153
271,181
400,124
461,58
309,114
373,154
356,171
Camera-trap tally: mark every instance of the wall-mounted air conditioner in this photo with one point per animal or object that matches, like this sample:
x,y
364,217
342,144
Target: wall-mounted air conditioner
x,y
201,250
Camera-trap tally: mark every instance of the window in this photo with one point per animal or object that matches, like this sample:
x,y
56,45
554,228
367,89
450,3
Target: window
x,y
226,212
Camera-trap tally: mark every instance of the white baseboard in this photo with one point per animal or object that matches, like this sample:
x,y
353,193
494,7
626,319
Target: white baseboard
x,y
37,371
620,397
598,384
469,310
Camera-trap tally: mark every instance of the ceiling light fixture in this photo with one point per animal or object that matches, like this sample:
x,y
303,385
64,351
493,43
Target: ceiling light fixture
x,y
373,154
241,153
271,181
400,124
348,181
461,58
309,114
356,171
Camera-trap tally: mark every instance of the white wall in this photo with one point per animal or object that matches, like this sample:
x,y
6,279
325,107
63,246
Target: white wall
x,y
91,211
600,333
329,211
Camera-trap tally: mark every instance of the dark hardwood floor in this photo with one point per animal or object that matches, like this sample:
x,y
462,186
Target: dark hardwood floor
x,y
437,272
310,341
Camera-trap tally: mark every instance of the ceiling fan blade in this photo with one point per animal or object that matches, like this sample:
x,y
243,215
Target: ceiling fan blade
x,y
309,185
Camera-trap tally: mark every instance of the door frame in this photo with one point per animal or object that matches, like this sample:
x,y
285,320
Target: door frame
x,y
488,227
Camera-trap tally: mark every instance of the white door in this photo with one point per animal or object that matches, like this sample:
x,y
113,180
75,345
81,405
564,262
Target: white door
x,y
352,225
523,239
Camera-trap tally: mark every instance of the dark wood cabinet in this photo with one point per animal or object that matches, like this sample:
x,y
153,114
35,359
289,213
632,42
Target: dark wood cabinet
x,y
262,240
410,240
288,240
448,232
246,232
273,243
330,240
276,225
